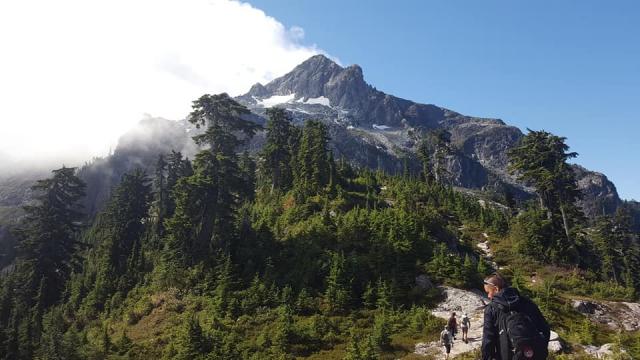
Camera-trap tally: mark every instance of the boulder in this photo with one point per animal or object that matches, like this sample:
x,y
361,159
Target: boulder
x,y
555,346
584,307
423,282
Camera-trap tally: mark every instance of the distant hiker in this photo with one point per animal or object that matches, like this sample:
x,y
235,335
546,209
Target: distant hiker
x,y
446,340
513,326
452,324
465,325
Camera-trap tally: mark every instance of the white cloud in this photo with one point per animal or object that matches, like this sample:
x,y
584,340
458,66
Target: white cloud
x,y
76,74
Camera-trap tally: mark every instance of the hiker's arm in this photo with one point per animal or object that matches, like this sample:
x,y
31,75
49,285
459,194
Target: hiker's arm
x,y
489,335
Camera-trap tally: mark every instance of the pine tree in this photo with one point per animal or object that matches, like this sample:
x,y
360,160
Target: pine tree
x,y
381,335
312,169
337,293
191,342
49,231
119,232
277,152
206,201
247,169
52,344
541,160
283,328
369,296
468,272
224,285
434,147
383,295
161,196
424,154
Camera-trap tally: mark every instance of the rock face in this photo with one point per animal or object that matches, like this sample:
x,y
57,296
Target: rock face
x,y
378,130
616,315
599,194
601,352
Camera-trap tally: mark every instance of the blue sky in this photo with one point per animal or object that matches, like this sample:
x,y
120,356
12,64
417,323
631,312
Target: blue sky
x,y
569,67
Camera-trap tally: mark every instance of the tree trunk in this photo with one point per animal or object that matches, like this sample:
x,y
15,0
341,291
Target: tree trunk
x,y
565,221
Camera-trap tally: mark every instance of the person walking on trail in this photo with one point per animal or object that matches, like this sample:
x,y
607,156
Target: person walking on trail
x,y
514,327
452,324
446,340
465,325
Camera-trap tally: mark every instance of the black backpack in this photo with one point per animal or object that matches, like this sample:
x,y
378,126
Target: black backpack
x,y
519,337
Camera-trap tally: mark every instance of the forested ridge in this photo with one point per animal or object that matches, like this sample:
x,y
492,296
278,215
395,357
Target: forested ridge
x,y
294,253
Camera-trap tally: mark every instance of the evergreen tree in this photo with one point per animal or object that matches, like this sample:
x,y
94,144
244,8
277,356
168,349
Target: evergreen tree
x,y
381,335
52,343
247,169
369,296
433,148
206,201
541,160
313,167
337,294
383,295
49,235
424,154
283,328
161,195
191,343
119,230
277,152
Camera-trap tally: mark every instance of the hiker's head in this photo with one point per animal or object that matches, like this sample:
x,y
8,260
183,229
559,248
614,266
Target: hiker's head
x,y
453,314
494,284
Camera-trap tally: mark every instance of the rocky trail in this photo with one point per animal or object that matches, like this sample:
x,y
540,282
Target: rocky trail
x,y
470,302
458,301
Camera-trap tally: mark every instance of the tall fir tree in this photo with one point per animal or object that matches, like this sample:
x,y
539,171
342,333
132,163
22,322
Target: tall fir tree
x,y
277,152
541,160
203,221
313,168
49,234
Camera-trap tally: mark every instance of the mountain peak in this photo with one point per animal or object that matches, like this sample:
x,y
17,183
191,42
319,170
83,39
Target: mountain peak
x,y
318,61
318,77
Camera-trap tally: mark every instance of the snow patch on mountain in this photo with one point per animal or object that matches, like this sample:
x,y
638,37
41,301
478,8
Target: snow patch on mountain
x,y
275,100
318,100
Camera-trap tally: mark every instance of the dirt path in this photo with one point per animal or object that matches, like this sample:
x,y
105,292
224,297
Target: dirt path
x,y
461,301
458,301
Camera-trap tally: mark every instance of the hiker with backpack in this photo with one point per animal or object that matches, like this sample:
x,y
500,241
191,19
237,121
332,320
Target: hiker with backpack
x,y
446,340
452,324
514,327
465,325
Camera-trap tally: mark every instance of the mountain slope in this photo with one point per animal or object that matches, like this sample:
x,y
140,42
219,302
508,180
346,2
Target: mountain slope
x,y
377,130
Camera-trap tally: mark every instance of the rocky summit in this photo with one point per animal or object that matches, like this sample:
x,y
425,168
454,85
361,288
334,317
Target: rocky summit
x,y
381,131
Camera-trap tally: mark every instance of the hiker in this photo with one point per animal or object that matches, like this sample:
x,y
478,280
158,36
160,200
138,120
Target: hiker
x,y
452,324
446,341
465,325
513,326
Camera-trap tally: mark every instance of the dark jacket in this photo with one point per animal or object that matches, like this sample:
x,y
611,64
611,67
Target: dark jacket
x,y
508,297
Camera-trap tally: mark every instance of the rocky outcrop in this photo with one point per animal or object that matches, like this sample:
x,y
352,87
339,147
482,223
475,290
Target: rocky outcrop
x,y
599,194
605,351
616,315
